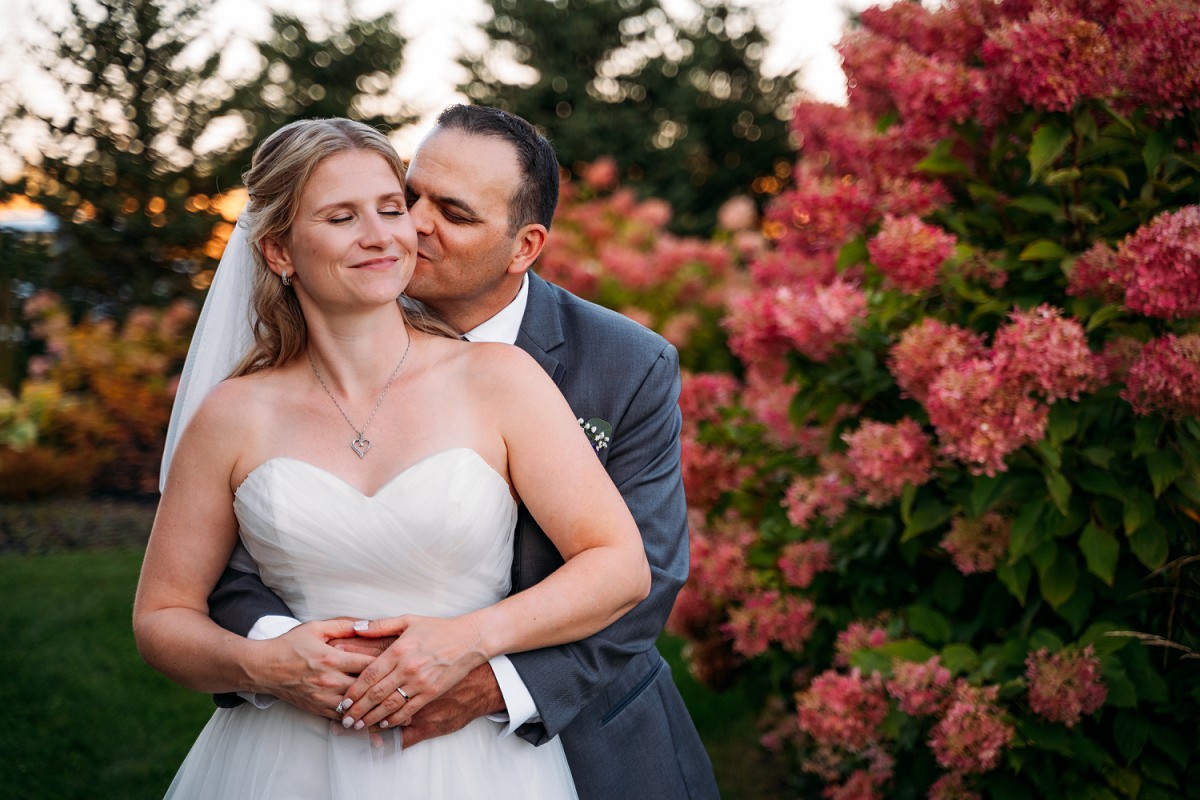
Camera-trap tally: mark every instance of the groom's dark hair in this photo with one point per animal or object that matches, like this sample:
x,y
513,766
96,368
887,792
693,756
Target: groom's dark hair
x,y
537,196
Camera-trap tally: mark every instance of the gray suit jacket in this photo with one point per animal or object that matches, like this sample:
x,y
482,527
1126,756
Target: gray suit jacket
x,y
611,698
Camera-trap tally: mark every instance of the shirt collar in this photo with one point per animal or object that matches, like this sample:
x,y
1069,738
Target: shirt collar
x,y
506,324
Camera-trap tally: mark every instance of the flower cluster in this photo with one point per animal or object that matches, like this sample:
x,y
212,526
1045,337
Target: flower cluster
x,y
920,689
1164,377
857,636
952,786
1066,685
977,545
1051,60
813,320
927,349
801,562
843,710
910,252
973,733
885,458
827,494
1162,260
769,616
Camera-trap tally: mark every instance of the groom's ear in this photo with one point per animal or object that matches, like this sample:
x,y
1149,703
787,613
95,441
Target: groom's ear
x,y
526,247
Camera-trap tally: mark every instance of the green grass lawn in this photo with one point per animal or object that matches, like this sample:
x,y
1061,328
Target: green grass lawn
x,y
82,716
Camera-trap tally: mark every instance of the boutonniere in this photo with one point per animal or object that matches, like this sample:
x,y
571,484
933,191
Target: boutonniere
x,y
599,432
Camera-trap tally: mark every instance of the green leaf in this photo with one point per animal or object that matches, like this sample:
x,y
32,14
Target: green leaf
x,y
907,496
1039,204
1042,250
1058,582
907,650
1145,435
1100,550
1187,159
927,516
1064,422
929,624
1050,454
1060,490
1098,455
1139,509
1150,545
959,659
1060,177
1114,173
852,252
1015,578
1158,144
1105,313
1177,749
1158,770
1027,531
1049,142
1099,481
1164,466
1121,691
940,162
985,491
1130,731
1097,635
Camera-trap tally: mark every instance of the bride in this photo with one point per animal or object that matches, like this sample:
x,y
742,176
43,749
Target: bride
x,y
373,467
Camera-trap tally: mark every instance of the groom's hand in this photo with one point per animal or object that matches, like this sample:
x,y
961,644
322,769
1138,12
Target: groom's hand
x,y
475,696
306,669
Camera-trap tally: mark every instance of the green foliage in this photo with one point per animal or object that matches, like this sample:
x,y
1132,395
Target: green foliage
x,y
684,108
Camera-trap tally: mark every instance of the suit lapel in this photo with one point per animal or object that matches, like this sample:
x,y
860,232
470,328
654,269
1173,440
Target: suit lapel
x,y
541,328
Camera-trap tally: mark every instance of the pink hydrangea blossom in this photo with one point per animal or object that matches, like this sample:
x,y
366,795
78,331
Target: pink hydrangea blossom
x,y
859,785
814,321
709,471
1098,273
884,458
1165,377
820,214
953,786
1163,262
980,418
910,253
1117,357
703,395
973,733
865,59
1066,685
800,562
933,94
1157,42
768,616
858,636
925,350
1052,60
920,689
843,710
827,494
1041,352
718,562
978,544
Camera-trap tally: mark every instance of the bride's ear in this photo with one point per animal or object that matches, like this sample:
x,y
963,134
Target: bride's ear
x,y
277,256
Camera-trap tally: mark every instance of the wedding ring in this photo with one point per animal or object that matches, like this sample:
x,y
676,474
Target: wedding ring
x,y
403,693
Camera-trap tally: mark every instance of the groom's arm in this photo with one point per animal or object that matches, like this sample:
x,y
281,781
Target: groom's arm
x,y
644,463
241,599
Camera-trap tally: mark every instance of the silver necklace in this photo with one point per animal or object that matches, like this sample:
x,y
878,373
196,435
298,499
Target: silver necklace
x,y
360,445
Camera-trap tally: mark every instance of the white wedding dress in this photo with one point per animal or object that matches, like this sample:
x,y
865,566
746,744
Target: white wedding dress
x,y
435,540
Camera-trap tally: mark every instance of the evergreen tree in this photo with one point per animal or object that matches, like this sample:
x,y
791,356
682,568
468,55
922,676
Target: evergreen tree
x,y
683,107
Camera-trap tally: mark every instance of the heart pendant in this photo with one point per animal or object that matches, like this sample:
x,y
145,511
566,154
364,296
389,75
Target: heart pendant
x,y
360,446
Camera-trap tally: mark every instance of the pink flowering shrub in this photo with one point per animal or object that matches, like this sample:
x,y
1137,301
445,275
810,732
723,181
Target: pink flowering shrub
x,y
964,430
1065,686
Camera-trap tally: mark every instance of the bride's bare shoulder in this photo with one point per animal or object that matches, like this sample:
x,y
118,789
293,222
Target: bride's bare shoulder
x,y
236,402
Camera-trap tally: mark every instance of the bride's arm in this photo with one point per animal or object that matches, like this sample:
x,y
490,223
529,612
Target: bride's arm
x,y
193,535
563,484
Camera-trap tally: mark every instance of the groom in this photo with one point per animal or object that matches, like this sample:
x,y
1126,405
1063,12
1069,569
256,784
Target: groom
x,y
482,189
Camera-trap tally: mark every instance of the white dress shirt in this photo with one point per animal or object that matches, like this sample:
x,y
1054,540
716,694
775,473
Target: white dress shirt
x,y
503,327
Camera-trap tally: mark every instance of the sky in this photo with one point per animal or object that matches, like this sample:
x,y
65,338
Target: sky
x,y
802,35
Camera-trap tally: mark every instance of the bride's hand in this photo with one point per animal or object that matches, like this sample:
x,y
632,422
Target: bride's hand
x,y
430,656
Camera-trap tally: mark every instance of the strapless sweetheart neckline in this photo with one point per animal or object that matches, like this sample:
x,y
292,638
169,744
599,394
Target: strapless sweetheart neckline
x,y
424,461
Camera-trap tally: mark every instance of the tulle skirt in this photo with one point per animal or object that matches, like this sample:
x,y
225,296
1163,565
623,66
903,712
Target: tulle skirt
x,y
281,752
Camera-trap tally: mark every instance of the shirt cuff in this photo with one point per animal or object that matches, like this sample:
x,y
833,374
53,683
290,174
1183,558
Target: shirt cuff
x,y
269,627
517,699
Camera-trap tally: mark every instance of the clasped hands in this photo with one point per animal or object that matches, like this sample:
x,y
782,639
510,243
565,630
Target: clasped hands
x,y
350,670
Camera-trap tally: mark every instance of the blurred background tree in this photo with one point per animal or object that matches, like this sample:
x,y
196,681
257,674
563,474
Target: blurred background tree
x,y
683,105
154,129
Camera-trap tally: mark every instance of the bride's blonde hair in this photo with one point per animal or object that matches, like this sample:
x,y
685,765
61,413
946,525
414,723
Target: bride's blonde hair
x,y
278,173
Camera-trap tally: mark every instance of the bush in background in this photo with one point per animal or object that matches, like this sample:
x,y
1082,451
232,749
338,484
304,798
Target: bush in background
x,y
953,498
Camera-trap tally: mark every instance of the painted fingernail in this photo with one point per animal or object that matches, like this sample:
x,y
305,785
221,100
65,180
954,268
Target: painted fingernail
x,y
361,625
383,723
344,706
358,726
347,723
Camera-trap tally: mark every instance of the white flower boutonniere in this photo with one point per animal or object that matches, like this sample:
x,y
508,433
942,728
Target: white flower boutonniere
x,y
599,432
